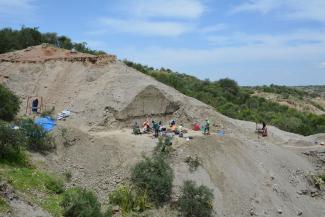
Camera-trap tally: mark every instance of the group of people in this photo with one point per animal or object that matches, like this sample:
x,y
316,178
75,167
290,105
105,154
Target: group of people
x,y
157,128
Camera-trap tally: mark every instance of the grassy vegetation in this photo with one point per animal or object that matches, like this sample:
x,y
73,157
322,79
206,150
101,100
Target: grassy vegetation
x,y
4,206
318,181
80,202
285,91
316,105
236,102
11,145
48,192
36,186
129,199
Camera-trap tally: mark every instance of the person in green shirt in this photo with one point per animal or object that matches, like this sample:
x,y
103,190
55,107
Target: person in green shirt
x,y
155,127
207,127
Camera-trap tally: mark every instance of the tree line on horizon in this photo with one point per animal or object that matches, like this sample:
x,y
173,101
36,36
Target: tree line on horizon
x,y
237,102
11,40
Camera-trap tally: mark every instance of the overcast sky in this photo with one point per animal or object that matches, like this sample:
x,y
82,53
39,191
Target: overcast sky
x,y
252,41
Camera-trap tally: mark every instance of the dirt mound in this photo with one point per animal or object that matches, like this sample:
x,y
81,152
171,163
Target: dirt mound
x,y
46,52
149,102
99,95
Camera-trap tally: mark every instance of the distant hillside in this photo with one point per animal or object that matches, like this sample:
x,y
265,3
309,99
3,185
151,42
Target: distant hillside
x,y
243,103
305,99
318,90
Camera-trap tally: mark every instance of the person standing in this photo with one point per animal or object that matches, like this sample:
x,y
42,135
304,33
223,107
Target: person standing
x,y
155,127
35,105
207,127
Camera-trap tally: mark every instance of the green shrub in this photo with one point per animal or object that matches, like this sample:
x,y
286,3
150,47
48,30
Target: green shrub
x,y
109,212
68,175
4,206
164,146
322,177
195,201
9,104
154,176
123,197
128,199
80,203
37,139
11,145
55,185
193,162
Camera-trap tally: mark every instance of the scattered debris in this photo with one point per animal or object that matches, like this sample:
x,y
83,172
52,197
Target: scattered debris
x,y
63,115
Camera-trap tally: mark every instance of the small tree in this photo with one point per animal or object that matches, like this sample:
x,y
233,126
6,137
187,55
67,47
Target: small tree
x,y
9,104
80,203
154,176
37,138
164,146
11,144
195,201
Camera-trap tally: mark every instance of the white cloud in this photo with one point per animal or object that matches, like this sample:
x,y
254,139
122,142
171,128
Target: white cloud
x,y
146,27
180,9
293,9
168,18
226,55
187,9
263,6
16,10
278,58
213,28
287,39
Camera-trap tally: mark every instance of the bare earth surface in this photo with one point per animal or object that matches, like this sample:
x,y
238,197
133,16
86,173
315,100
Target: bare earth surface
x,y
250,176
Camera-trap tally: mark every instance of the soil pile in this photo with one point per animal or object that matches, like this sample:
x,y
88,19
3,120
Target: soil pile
x,y
100,95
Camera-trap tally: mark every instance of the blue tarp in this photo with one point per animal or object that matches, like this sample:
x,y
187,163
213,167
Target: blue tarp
x,y
221,133
47,123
